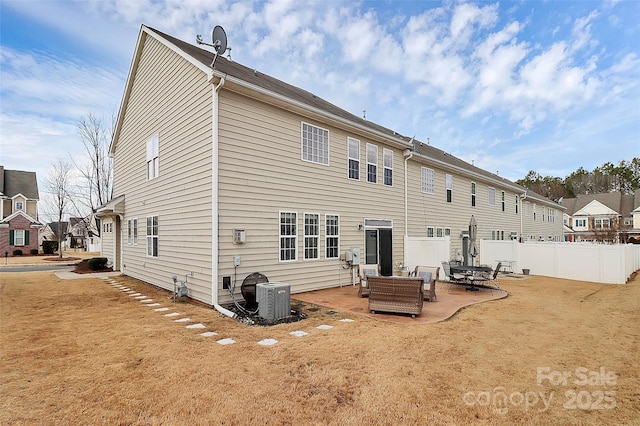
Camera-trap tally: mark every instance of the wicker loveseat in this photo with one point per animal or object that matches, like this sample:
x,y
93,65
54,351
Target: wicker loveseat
x,y
396,294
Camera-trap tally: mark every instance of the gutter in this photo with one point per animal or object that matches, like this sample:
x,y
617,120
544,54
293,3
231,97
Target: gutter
x,y
214,199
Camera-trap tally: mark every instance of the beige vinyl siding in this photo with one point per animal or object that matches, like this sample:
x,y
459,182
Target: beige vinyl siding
x,y
170,98
262,173
432,209
31,208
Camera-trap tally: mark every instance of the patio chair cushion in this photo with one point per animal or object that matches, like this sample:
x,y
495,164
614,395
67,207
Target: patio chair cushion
x,y
426,277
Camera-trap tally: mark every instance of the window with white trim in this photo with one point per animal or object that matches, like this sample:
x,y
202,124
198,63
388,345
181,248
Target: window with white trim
x,y
427,185
387,165
517,203
152,236
439,232
430,232
129,231
288,236
473,194
18,237
503,205
447,232
492,196
153,163
372,163
354,158
311,236
315,144
332,236
19,205
449,185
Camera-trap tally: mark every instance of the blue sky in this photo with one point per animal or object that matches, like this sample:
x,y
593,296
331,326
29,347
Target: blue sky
x,y
548,86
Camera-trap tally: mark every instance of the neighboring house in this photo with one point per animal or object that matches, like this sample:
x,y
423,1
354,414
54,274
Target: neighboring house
x,y
18,211
50,233
92,241
78,232
227,171
611,217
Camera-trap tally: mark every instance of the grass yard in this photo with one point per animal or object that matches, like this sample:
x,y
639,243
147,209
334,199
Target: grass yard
x,y
83,352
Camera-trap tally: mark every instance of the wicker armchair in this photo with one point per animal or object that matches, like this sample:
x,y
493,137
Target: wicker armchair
x,y
365,271
430,275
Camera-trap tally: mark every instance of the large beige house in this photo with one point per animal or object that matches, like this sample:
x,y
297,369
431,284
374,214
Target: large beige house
x,y
226,171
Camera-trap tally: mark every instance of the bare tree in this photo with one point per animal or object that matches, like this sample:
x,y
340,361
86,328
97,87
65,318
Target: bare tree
x,y
58,183
97,171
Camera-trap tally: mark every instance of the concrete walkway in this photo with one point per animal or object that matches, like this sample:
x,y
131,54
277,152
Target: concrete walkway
x,y
70,275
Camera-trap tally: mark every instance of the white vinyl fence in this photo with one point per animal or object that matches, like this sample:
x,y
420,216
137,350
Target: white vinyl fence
x,y
602,263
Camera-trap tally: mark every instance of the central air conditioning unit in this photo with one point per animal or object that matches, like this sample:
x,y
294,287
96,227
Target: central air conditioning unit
x,y
274,300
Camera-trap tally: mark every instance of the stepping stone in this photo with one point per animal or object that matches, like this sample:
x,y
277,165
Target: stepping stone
x,y
227,341
267,342
135,294
172,314
196,326
161,309
146,301
324,327
346,320
299,333
182,320
209,333
140,297
153,304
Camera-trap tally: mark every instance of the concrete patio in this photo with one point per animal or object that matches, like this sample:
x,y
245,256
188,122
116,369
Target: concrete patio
x,y
450,299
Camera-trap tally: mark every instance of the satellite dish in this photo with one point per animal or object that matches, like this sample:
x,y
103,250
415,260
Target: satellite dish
x,y
219,39
218,42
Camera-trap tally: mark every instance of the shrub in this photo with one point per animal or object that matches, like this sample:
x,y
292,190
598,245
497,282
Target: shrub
x,y
96,263
49,247
34,251
17,252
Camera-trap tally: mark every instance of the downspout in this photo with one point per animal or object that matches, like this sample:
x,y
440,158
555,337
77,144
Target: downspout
x,y
407,156
522,198
214,200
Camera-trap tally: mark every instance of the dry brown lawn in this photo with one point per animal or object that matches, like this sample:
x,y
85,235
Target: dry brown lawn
x,y
83,352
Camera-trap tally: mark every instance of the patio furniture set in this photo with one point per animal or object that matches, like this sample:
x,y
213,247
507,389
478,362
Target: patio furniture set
x,y
407,294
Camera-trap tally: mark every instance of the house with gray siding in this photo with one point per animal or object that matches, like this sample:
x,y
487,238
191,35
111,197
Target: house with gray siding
x,y
223,171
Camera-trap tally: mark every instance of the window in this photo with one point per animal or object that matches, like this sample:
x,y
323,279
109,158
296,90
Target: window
x,y
449,185
473,194
439,232
152,236
517,203
447,232
152,158
288,236
135,231
372,163
427,180
354,158
502,201
311,235
430,232
19,205
387,163
492,196
535,213
332,236
315,144
19,237
581,223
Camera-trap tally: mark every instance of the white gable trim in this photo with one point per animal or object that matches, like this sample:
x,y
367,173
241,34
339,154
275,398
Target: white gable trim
x,y
20,213
595,208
